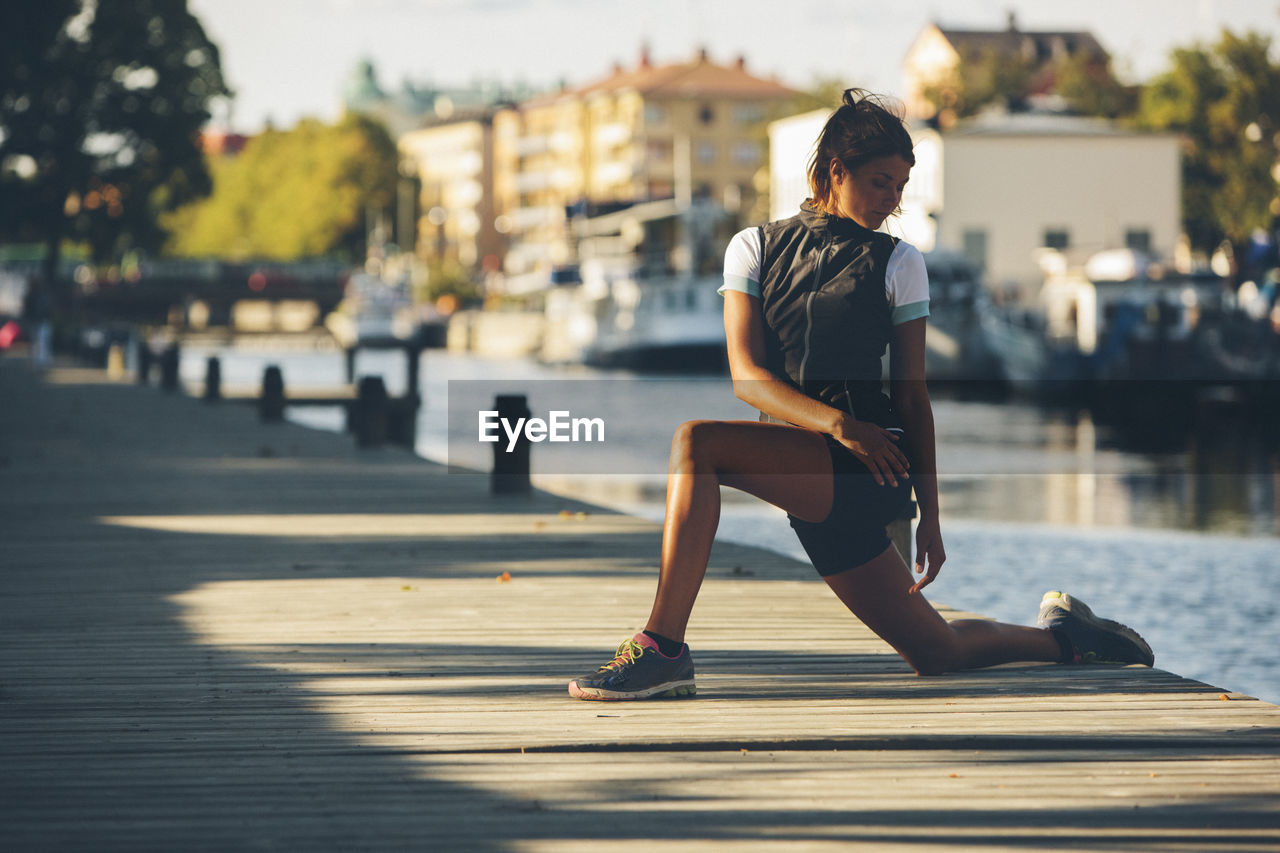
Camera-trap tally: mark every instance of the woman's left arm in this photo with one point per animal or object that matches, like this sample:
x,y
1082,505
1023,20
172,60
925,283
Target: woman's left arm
x,y
911,398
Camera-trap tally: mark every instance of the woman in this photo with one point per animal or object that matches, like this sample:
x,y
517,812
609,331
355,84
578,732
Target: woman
x,y
810,305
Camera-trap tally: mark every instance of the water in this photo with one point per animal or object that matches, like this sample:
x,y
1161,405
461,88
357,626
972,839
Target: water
x,y
1182,544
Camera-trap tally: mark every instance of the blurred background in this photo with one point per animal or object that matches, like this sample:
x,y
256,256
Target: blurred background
x,y
524,190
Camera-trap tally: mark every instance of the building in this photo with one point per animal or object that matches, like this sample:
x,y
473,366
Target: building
x,y
650,132
1004,188
445,139
222,143
938,51
453,163
1014,185
416,104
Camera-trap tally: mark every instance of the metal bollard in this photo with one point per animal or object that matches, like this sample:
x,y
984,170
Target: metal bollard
x,y
145,358
350,354
213,379
170,360
271,402
510,475
402,422
372,412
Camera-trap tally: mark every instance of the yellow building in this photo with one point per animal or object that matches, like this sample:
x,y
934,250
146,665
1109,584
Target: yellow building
x,y
938,51
675,131
453,162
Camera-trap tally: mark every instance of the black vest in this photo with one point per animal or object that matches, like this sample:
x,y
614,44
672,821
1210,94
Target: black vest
x,y
827,320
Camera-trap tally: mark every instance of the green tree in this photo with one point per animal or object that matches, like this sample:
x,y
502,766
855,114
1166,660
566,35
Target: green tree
x,y
101,104
1090,88
1225,101
987,77
447,278
304,192
981,78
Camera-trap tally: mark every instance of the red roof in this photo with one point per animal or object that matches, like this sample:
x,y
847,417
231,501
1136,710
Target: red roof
x,y
699,77
222,142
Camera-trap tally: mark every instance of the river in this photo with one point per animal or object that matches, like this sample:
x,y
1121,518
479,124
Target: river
x,y
1180,542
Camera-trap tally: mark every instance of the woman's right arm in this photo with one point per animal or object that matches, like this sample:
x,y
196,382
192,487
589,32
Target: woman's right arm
x,y
756,385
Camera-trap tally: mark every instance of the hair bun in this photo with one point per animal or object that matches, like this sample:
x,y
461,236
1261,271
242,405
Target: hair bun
x,y
854,96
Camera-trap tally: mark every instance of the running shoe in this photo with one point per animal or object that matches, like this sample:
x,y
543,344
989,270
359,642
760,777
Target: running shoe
x,y
638,671
1093,640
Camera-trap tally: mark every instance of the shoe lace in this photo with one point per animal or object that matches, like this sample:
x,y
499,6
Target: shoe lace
x,y
628,653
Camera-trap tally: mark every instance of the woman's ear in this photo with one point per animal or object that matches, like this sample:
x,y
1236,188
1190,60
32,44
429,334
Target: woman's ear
x,y
837,171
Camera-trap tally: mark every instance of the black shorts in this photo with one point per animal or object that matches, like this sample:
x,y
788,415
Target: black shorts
x,y
854,532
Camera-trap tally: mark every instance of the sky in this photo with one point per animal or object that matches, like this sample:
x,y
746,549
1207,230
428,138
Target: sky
x,y
286,59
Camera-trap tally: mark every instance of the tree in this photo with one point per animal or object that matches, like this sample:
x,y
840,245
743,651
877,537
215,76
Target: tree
x,y
1090,88
988,77
981,78
101,104
1225,101
304,192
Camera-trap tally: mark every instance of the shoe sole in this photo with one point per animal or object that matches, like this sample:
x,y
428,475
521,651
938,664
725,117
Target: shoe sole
x,y
670,690
1081,611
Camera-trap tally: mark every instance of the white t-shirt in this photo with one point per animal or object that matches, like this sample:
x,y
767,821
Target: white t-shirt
x,y
906,283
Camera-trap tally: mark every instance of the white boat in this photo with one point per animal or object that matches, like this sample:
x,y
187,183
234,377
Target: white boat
x,y
647,296
372,310
958,347
669,322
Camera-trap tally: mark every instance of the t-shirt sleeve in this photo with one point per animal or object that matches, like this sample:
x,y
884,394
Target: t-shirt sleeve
x,y
742,263
906,284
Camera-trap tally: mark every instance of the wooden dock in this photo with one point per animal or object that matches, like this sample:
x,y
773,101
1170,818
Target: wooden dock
x,y
222,635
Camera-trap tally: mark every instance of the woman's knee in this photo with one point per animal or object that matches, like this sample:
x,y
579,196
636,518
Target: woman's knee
x,y
932,662
693,441
939,657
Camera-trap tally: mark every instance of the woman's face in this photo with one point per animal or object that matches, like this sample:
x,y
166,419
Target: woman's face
x,y
871,194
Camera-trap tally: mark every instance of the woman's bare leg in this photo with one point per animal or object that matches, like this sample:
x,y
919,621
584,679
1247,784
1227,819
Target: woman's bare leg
x,y
791,468
876,592
786,466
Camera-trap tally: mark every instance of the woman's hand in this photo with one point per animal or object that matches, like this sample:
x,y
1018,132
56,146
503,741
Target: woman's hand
x,y
874,447
930,555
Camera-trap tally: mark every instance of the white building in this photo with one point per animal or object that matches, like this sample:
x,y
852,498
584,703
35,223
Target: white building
x,y
1001,189
1013,185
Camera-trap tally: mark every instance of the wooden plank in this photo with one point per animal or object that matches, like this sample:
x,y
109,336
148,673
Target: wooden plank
x,y
223,635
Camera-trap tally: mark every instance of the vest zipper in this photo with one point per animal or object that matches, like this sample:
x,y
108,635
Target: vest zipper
x,y
808,305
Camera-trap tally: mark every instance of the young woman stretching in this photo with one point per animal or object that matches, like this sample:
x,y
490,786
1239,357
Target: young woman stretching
x,y
810,305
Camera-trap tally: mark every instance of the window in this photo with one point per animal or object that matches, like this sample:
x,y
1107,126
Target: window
x,y
745,115
1138,239
1057,238
655,114
974,241
706,152
706,115
746,153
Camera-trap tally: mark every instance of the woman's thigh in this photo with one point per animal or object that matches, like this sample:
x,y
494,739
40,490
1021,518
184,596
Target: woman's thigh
x,y
787,466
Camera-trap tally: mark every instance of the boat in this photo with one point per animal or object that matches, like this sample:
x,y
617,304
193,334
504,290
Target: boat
x,y
1123,331
374,311
646,294
958,350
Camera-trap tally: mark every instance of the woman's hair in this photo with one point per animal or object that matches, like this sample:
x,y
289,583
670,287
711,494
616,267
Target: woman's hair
x,y
863,128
